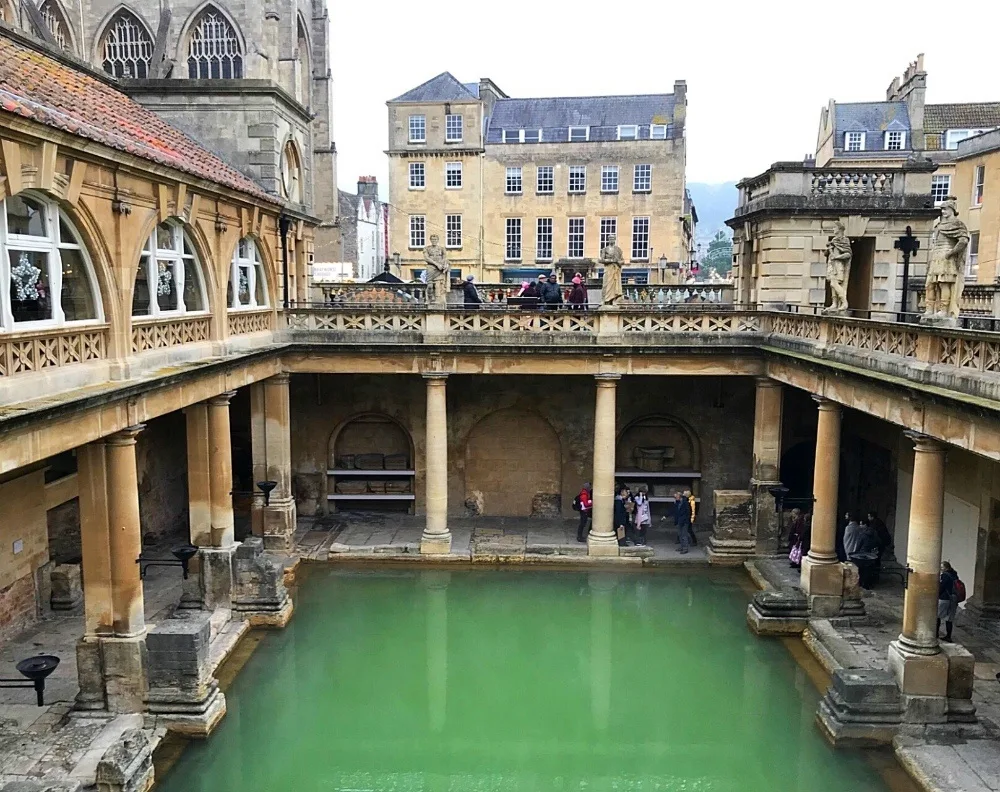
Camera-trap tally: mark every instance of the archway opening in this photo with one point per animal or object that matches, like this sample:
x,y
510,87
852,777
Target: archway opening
x,y
370,466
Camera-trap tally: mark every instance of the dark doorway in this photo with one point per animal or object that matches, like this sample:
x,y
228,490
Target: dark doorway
x,y
859,284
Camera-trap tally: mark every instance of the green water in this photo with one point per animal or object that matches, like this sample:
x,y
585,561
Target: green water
x,y
511,680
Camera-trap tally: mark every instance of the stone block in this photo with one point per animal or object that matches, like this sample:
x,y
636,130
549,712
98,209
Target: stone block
x,y
127,766
919,675
862,708
259,592
62,785
217,576
778,613
822,579
90,675
124,666
961,670
67,587
732,537
435,545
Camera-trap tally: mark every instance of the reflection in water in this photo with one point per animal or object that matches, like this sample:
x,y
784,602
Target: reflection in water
x,y
407,681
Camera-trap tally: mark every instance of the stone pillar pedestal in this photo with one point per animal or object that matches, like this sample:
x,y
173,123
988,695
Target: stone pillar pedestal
x,y
603,539
732,540
766,461
259,593
436,538
183,695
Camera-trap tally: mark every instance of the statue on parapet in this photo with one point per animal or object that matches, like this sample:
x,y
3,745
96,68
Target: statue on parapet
x,y
838,268
611,260
438,274
946,268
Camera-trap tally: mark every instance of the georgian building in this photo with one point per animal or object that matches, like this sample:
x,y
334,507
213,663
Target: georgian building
x,y
515,187
250,81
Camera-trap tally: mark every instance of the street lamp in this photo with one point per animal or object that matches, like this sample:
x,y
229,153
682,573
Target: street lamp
x,y
35,669
908,245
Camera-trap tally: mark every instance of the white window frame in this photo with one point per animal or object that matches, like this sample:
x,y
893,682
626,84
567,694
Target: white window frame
x,y
412,170
512,135
608,227
657,131
513,239
514,172
860,140
526,132
609,178
972,259
418,225
639,256
582,223
551,179
938,195
413,127
449,127
572,129
51,244
151,258
544,238
577,169
952,139
632,133
902,139
978,184
648,180
449,171
247,262
453,225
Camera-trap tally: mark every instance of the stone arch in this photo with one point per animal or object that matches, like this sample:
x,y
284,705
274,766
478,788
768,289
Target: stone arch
x,y
369,433
513,461
659,429
145,37
57,19
193,20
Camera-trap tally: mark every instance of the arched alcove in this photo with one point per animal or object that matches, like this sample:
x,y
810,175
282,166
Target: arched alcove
x,y
678,467
513,458
370,465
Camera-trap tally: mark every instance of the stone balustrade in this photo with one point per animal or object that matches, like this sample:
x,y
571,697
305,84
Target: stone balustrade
x,y
150,334
978,299
21,353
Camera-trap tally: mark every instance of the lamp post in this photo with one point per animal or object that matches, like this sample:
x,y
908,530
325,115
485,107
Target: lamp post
x,y
36,669
908,245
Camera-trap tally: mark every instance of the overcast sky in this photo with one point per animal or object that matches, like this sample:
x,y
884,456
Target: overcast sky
x,y
758,73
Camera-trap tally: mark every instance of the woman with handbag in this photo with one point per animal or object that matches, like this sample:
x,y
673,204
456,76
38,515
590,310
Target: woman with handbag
x,y
643,519
796,534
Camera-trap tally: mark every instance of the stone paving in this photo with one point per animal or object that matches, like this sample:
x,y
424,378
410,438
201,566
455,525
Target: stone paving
x,y
942,758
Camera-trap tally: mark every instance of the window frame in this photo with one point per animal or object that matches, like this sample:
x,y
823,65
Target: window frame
x,y
540,241
902,140
635,257
449,171
654,129
572,129
649,178
213,50
52,246
509,174
569,185
515,226
448,128
608,226
966,134
551,179
606,172
947,191
423,175
633,136
525,132
422,231
154,255
847,141
135,51
978,185
423,128
972,257
449,229
254,264
570,221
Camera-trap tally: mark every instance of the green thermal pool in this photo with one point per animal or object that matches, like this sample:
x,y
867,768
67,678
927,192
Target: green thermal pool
x,y
519,680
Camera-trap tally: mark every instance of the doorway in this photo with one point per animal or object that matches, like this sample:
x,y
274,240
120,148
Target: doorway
x,y
859,284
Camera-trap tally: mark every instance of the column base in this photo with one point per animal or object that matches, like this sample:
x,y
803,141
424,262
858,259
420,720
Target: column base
x,y
732,541
919,674
833,588
196,719
765,521
259,593
90,675
435,544
125,673
980,612
602,544
217,576
778,613
862,708
279,524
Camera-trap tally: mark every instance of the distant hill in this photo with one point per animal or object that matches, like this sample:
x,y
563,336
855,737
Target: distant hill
x,y
715,203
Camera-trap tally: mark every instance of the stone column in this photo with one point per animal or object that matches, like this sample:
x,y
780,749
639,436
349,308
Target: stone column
x,y
822,577
125,654
766,463
602,539
199,482
915,657
279,515
221,470
258,452
436,537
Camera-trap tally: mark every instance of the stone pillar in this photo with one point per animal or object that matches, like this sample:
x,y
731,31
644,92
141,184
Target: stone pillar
x,y
766,463
279,516
984,604
436,537
602,539
915,657
822,576
258,451
199,482
125,654
221,470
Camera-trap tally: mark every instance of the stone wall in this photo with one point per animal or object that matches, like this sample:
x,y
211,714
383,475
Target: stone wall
x,y
23,548
64,532
517,445
161,458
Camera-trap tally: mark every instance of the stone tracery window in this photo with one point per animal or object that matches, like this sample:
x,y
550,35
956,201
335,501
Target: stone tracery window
x,y
46,278
56,23
247,283
127,47
214,51
169,279
291,173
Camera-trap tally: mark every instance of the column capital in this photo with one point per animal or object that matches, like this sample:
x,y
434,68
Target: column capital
x,y
925,443
281,378
767,382
434,376
222,400
607,380
125,437
826,404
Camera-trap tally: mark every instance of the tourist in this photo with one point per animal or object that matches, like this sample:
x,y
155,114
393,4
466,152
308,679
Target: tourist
x,y
550,292
947,600
693,506
884,537
682,514
630,510
849,542
796,532
529,294
621,515
471,293
643,519
866,555
677,516
584,504
578,295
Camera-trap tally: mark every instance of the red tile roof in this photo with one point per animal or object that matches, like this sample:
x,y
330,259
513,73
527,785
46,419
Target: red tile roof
x,y
37,86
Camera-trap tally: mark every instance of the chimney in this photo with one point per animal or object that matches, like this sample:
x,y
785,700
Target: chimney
x,y
912,89
488,95
680,106
368,186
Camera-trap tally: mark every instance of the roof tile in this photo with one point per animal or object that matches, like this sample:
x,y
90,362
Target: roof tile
x,y
972,115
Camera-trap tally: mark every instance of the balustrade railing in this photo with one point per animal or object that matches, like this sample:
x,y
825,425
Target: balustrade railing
x,y
148,334
247,322
978,299
851,182
21,353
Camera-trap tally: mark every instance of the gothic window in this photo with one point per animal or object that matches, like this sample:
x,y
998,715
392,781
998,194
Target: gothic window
x,y
304,66
127,47
291,173
169,279
247,284
56,23
214,51
45,274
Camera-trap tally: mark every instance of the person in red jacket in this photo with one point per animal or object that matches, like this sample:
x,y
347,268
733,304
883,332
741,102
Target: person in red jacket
x,y
585,501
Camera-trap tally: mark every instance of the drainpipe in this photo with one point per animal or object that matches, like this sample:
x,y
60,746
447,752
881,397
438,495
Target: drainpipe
x,y
284,223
